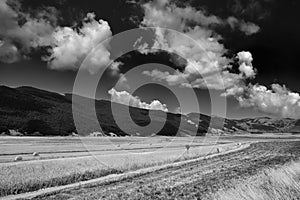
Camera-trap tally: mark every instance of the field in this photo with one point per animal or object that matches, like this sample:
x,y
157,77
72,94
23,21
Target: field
x,y
280,183
66,160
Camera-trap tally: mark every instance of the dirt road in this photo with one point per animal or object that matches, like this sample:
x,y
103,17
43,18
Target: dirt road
x,y
193,181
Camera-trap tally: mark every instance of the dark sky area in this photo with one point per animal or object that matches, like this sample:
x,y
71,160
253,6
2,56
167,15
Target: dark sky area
x,y
275,48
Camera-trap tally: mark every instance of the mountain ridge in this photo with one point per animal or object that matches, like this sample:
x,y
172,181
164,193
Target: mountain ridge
x,y
33,111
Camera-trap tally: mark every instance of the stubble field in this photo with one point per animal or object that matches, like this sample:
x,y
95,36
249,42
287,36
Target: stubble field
x,y
69,160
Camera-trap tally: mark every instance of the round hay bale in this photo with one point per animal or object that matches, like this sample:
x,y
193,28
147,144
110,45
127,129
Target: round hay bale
x,y
35,154
18,158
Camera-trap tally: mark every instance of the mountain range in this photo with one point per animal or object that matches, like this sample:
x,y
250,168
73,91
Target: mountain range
x,y
35,112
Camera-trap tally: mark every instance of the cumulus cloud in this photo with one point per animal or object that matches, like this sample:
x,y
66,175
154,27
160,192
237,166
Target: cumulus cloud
x,y
248,28
67,46
171,79
115,67
245,57
278,100
217,81
164,14
125,98
208,74
204,54
71,46
8,52
19,38
207,66
246,68
236,91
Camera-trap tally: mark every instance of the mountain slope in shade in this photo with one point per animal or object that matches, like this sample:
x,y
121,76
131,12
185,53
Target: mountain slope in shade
x,y
37,112
33,111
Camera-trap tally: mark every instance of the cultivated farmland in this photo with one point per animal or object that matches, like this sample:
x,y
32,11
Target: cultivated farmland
x,y
197,180
67,160
62,161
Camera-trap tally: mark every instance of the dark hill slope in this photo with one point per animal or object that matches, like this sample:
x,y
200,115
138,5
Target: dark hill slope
x,y
33,111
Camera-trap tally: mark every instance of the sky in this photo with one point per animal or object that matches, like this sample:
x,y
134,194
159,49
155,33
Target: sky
x,y
231,56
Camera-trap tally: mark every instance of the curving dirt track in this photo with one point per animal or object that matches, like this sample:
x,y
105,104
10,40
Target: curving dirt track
x,y
193,181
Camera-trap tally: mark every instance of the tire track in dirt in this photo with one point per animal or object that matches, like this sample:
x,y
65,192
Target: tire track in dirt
x,y
173,174
195,180
170,180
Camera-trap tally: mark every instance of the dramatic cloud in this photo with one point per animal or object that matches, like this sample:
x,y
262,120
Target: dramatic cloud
x,y
71,46
203,52
115,67
162,13
245,61
277,101
213,81
8,52
125,98
207,66
19,38
68,46
165,14
171,79
249,28
246,27
245,57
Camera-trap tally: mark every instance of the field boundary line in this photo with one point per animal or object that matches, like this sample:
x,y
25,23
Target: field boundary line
x,y
117,177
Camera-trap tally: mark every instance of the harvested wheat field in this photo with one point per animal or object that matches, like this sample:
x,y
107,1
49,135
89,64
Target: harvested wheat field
x,y
279,183
200,179
50,162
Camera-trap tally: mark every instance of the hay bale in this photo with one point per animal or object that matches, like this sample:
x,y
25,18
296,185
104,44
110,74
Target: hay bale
x,y
111,134
35,154
18,158
74,134
14,133
97,134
